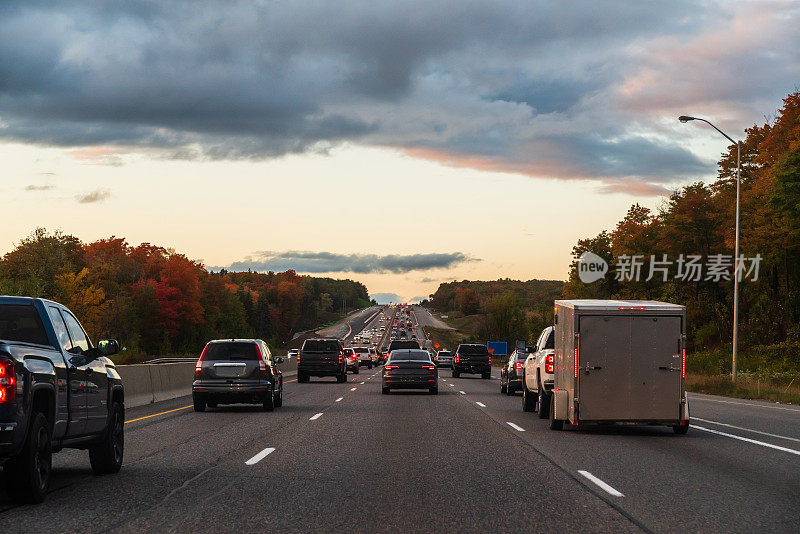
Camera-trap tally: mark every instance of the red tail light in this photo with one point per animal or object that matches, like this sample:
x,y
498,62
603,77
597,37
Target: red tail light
x,y
519,365
389,367
549,364
8,389
683,363
341,357
298,358
198,368
262,365
457,358
429,367
576,362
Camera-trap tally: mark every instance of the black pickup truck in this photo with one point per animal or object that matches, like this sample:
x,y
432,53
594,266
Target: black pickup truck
x,y
321,357
472,358
56,391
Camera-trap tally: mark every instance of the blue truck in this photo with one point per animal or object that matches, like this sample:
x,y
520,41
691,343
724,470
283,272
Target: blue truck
x,y
57,391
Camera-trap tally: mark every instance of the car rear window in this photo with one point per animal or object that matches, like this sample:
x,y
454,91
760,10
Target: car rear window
x,y
445,353
473,350
321,345
403,345
232,350
404,355
361,349
22,324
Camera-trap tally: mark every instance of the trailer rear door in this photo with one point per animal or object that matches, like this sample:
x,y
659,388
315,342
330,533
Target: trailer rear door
x,y
629,368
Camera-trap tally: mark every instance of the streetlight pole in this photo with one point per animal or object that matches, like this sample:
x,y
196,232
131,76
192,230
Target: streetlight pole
x,y
736,270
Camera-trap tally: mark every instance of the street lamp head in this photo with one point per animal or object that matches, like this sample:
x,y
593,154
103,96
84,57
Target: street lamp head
x,y
685,118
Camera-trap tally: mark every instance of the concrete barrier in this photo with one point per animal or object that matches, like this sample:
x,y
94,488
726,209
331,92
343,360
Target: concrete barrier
x,y
145,384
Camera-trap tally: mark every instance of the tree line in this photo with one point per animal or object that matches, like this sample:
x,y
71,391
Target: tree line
x,y
156,301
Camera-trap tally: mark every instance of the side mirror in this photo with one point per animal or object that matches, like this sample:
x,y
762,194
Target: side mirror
x,y
278,360
108,347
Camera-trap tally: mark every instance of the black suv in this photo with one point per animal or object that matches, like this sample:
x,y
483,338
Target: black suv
x,y
321,357
237,370
472,358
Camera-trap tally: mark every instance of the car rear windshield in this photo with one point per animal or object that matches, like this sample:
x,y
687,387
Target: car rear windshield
x,y
445,353
473,350
231,350
22,323
361,349
321,345
403,345
405,355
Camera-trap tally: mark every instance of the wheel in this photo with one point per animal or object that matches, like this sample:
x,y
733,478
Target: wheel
x,y
302,378
106,457
555,424
486,376
342,378
279,397
269,402
456,374
355,371
510,390
544,404
434,391
369,366
681,429
28,474
385,391
528,400
199,403
503,387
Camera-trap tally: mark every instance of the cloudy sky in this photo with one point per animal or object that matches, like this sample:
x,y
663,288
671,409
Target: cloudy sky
x,y
402,144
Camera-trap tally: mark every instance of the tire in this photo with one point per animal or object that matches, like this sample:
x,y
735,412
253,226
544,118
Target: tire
x,y
456,374
486,376
343,378
503,387
555,424
355,371
268,403
106,457
434,391
681,429
369,366
385,391
544,404
211,404
199,403
28,474
509,390
279,397
528,400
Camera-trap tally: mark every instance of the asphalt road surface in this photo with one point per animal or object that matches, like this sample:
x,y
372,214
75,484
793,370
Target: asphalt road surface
x,y
343,457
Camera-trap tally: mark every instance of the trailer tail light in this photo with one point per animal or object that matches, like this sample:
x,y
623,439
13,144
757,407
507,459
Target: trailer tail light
x,y
519,365
8,389
198,368
549,364
576,363
683,362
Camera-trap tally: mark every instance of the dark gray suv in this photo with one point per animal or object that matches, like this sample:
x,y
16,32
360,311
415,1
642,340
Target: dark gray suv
x,y
237,371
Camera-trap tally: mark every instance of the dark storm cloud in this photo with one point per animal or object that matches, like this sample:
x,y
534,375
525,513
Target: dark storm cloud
x,y
563,90
329,262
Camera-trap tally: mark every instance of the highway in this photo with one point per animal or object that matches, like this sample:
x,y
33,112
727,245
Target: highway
x,y
343,457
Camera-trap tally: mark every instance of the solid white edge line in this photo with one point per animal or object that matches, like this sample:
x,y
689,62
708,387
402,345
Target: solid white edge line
x,y
748,440
746,429
482,405
260,456
315,417
770,406
605,487
340,399
515,427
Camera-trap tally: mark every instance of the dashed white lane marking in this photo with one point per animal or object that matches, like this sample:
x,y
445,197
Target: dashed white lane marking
x,y
260,456
746,429
515,427
748,440
482,405
369,378
315,417
353,389
462,392
362,382
451,385
605,487
339,399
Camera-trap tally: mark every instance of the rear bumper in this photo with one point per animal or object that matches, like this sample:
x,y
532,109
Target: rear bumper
x,y
472,368
322,371
446,363
410,382
548,385
516,383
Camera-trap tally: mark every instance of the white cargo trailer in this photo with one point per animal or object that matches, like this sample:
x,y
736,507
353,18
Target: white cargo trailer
x,y
620,361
